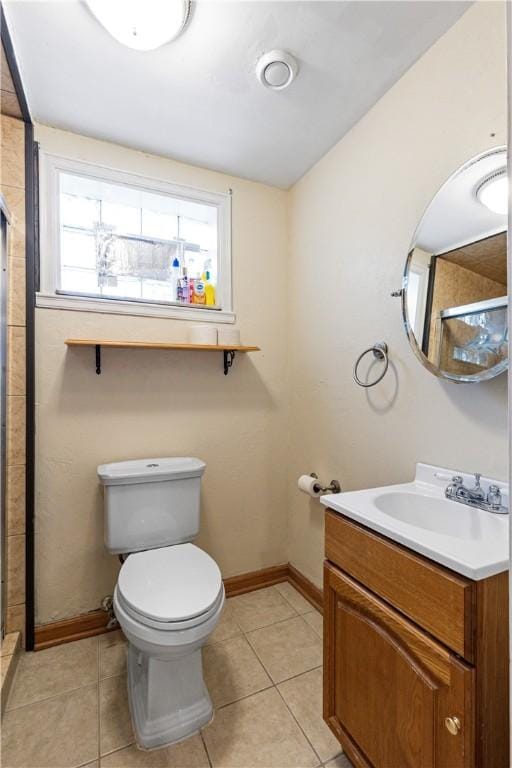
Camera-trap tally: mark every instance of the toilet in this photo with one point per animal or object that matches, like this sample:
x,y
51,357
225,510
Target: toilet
x,y
169,594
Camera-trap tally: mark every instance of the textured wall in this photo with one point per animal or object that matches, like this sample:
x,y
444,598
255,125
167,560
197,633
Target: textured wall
x,y
164,403
12,143
352,220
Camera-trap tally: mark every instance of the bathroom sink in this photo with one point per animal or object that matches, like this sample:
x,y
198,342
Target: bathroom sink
x,y
468,540
431,513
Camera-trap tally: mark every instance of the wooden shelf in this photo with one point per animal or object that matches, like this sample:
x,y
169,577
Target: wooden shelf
x,y
227,350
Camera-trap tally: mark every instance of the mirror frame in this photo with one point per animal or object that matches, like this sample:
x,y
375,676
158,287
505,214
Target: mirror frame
x,y
489,373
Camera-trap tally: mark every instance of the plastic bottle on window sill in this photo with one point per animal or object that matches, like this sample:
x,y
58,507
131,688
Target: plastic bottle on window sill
x,y
209,291
197,292
175,279
185,288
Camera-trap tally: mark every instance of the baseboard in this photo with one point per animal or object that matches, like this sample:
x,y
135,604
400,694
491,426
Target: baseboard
x,y
75,628
95,622
248,582
306,587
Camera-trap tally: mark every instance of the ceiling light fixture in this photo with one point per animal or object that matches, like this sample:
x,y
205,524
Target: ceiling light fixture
x,y
142,24
276,70
493,192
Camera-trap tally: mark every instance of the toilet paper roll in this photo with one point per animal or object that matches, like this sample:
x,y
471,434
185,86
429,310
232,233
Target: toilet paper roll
x,y
310,485
202,334
229,336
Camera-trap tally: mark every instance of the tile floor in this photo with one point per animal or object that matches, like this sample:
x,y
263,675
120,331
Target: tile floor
x,y
263,667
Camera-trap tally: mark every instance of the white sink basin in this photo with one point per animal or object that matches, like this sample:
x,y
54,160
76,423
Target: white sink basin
x,y
471,541
431,513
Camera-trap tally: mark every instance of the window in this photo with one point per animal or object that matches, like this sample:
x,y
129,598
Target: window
x,y
116,242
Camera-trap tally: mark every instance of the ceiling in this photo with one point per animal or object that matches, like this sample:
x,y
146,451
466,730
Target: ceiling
x,y
9,104
197,99
455,216
487,257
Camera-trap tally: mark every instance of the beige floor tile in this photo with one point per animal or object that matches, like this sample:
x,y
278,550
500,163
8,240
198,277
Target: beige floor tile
x,y
113,648
287,649
257,732
232,671
54,671
56,733
115,720
341,761
303,695
187,754
227,626
260,609
316,621
294,597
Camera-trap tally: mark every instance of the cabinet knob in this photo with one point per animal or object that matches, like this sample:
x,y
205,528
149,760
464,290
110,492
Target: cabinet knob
x,y
453,725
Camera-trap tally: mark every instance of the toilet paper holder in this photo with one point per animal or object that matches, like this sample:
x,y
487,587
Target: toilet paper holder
x,y
334,487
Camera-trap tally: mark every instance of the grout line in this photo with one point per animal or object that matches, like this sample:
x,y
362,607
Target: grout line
x,y
303,613
299,726
247,695
276,686
53,696
206,748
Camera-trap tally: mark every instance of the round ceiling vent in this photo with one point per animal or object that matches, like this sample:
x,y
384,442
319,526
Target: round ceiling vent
x,y
276,70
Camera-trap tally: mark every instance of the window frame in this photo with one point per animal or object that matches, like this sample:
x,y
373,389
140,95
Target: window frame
x,y
49,296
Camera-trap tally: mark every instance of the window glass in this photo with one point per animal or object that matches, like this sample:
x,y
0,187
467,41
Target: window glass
x,y
124,242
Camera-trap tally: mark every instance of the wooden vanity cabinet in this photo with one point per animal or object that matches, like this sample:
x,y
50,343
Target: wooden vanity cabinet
x,y
415,656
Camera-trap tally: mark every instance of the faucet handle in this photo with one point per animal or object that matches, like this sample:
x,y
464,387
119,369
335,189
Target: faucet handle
x,y
457,480
478,475
494,496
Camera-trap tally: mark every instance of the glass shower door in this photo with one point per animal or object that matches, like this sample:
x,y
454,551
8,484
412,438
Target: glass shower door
x,y
4,233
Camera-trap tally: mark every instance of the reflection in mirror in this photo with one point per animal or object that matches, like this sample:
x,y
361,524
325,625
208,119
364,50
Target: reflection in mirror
x,y
455,282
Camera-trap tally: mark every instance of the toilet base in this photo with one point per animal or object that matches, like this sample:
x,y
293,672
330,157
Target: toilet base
x,y
168,699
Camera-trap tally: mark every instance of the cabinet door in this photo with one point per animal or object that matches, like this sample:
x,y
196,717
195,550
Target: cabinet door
x,y
395,697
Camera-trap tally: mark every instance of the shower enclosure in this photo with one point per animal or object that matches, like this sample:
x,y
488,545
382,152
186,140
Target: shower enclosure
x,y
4,234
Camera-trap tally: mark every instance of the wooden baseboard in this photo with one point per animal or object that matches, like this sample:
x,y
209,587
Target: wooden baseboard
x,y
76,628
306,588
248,582
95,622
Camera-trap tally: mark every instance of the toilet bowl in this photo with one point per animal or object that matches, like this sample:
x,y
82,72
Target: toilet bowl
x,y
168,602
169,594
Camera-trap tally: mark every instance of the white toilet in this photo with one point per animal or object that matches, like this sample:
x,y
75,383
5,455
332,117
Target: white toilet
x,y
169,595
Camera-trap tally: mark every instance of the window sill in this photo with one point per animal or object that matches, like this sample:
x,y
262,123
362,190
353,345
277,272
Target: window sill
x,y
115,307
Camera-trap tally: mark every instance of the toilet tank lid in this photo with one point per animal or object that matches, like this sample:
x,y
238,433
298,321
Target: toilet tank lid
x,y
150,470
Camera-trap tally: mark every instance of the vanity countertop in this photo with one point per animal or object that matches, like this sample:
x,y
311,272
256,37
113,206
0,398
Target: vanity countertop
x,y
470,541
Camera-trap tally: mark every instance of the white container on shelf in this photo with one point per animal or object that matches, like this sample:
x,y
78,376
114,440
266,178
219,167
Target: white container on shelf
x,y
202,334
229,337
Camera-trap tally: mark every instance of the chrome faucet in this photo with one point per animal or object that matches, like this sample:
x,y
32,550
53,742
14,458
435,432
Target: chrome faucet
x,y
476,496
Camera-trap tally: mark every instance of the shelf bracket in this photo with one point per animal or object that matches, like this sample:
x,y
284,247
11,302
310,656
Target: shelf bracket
x,y
98,359
229,356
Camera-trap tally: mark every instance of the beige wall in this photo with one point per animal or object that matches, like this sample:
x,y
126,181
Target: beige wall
x,y
352,219
12,167
164,403
313,270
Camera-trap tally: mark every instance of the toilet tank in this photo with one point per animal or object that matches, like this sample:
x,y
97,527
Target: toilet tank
x,y
151,503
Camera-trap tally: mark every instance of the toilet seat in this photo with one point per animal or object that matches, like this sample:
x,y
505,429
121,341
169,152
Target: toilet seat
x,y
173,587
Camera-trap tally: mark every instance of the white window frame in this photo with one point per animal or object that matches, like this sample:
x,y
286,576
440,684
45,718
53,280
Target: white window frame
x,y
47,296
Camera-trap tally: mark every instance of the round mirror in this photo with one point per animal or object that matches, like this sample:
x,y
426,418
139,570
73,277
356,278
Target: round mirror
x,y
454,296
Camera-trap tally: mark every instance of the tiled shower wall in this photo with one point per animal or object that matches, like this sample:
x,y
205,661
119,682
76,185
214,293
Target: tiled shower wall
x,y
12,167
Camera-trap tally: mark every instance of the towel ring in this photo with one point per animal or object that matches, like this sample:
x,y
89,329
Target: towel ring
x,y
380,352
